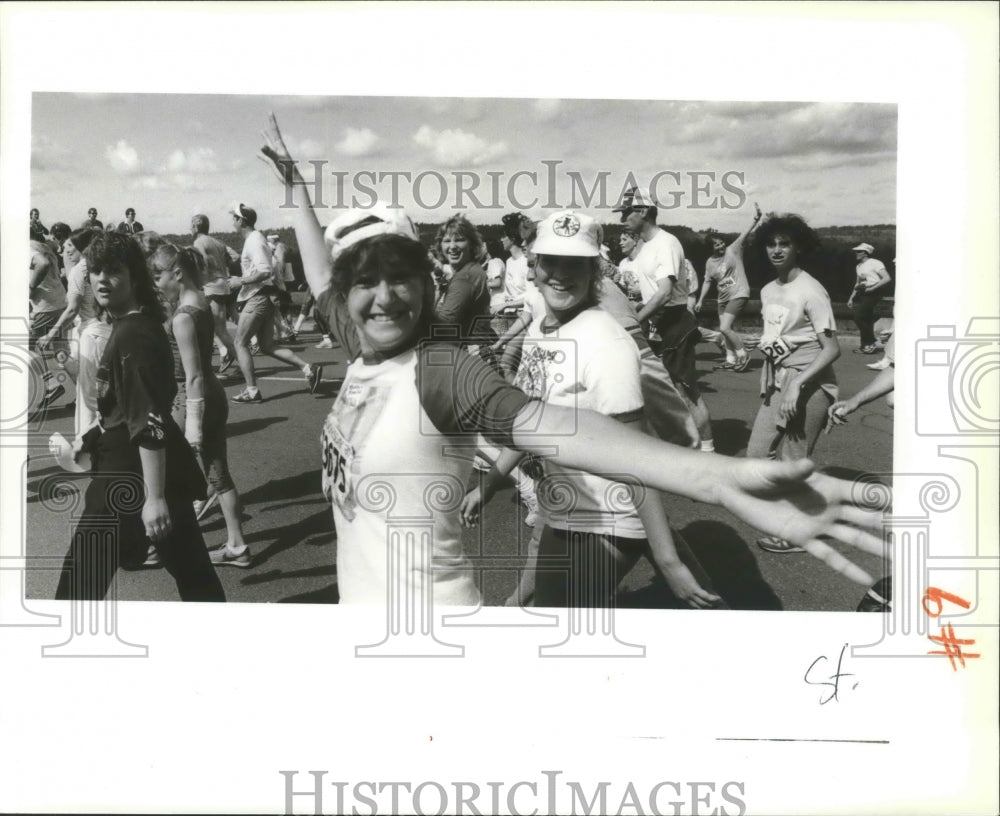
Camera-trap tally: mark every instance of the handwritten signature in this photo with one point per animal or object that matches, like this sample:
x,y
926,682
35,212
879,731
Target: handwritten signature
x,y
831,681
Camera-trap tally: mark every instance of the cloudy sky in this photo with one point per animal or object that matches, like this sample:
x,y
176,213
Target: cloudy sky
x,y
171,155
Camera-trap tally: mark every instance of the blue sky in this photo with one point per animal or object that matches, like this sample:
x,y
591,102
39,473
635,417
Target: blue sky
x,y
171,155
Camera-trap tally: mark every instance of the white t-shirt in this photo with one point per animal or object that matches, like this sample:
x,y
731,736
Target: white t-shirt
x,y
729,274
216,264
516,278
868,271
662,256
256,256
590,362
794,314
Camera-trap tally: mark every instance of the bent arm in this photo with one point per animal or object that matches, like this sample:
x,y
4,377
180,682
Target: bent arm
x,y
661,296
830,351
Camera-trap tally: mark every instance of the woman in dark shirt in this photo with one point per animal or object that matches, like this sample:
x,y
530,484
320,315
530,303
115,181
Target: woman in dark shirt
x,y
462,307
144,474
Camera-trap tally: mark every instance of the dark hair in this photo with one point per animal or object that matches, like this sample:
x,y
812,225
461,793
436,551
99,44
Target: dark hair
x,y
61,232
464,227
188,260
116,250
81,238
794,226
387,255
129,210
200,223
34,211
512,227
496,250
649,213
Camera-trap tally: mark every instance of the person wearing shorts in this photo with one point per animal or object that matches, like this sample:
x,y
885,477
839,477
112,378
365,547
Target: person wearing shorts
x,y
257,310
871,282
725,269
217,291
664,284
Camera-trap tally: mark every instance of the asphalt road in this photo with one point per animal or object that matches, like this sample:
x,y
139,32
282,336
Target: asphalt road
x,y
274,458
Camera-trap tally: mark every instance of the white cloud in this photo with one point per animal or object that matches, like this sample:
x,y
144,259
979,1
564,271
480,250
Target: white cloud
x,y
456,147
358,142
47,154
123,158
195,160
309,149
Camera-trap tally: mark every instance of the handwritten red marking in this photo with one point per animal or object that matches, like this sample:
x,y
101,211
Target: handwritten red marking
x,y
952,646
937,596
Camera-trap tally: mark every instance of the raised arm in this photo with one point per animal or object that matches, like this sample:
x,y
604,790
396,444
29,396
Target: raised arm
x,y
316,262
737,245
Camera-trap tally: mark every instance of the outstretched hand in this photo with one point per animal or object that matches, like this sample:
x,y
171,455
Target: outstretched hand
x,y
275,151
791,501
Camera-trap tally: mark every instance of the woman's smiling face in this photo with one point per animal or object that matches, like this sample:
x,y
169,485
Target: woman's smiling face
x,y
387,309
456,249
563,281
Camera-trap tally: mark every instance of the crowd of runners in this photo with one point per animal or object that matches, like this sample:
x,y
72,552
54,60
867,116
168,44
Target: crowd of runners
x,y
539,358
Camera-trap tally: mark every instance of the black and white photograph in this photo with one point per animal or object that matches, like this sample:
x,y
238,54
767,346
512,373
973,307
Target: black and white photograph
x,y
551,350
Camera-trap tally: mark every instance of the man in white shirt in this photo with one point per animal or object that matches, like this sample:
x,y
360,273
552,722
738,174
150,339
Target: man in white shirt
x,y
871,283
664,285
257,308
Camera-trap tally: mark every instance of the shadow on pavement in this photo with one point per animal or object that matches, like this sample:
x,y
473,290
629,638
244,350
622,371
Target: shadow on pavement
x,y
731,566
292,535
326,595
730,435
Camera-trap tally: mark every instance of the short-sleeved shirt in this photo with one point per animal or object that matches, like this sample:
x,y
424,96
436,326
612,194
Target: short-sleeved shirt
x,y
216,264
515,278
868,271
794,315
338,321
590,362
256,257
463,305
729,274
78,283
390,469
662,256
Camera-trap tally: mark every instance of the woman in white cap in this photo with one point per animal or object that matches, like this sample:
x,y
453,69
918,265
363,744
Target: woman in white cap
x,y
577,355
406,402
871,282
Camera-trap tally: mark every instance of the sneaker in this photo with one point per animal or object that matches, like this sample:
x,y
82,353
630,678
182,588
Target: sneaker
x,y
225,363
314,377
778,545
742,363
203,506
254,349
152,558
726,366
52,395
222,556
246,396
870,349
878,598
325,343
881,365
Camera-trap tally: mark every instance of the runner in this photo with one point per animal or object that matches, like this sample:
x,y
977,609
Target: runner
x,y
217,290
799,343
659,267
136,441
725,269
406,399
47,300
871,283
257,309
200,404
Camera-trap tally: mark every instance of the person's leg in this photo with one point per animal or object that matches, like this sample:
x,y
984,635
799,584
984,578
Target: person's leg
x,y
524,593
864,318
803,432
248,325
185,557
764,435
581,569
218,308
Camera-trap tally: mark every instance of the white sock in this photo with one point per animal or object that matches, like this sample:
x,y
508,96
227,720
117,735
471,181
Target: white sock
x,y
708,446
253,390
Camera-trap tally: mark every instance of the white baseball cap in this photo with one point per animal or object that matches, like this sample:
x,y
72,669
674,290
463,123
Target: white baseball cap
x,y
569,234
864,248
359,223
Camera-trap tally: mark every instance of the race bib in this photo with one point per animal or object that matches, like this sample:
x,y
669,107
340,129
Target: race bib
x,y
338,460
775,349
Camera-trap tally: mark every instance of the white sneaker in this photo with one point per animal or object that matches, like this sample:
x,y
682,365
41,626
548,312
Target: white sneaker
x,y
881,365
324,344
